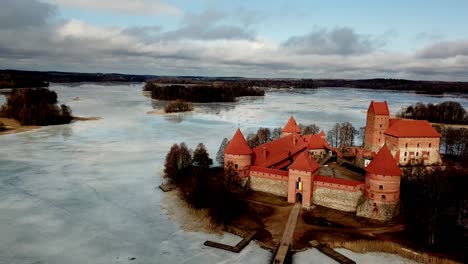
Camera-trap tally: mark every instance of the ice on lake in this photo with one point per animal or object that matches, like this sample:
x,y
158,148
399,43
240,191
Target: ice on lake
x,y
86,192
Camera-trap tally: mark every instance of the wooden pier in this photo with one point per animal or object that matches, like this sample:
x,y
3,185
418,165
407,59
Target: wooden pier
x,y
331,253
236,249
288,233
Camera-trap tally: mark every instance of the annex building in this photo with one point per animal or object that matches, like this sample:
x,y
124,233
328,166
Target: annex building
x,y
306,169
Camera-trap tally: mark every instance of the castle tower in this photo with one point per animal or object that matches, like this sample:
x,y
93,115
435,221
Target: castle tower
x,y
382,187
378,117
239,153
301,178
291,128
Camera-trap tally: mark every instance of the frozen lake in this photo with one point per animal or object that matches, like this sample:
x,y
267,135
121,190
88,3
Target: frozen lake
x,y
87,192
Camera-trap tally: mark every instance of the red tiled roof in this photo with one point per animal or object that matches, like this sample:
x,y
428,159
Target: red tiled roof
x,y
304,163
322,134
411,128
238,145
278,150
291,126
317,142
379,108
384,164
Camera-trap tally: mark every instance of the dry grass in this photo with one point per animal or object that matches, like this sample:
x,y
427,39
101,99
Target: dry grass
x,y
362,246
189,219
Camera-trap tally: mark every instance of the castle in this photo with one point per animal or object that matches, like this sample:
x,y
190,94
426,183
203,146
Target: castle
x,y
295,166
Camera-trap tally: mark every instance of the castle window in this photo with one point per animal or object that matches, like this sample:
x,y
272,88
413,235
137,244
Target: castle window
x,y
383,197
429,144
418,145
406,146
405,159
381,187
406,153
372,195
235,166
417,153
380,125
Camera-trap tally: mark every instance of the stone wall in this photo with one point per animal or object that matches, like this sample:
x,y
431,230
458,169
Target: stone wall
x,y
343,200
375,210
273,186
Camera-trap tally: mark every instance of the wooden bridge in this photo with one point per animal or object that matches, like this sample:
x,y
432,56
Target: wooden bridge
x,y
288,233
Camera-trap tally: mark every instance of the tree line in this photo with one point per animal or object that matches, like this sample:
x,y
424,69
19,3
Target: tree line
x,y
201,93
433,202
203,186
448,112
454,142
36,107
432,87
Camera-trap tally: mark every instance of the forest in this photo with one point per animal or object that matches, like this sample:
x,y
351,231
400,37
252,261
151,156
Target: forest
x,y
448,112
432,205
35,107
201,93
17,79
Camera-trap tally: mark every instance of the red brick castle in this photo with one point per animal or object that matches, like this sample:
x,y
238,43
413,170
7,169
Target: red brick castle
x,y
296,166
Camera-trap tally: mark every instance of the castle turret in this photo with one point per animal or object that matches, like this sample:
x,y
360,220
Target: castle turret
x,y
300,180
291,128
239,153
382,187
378,118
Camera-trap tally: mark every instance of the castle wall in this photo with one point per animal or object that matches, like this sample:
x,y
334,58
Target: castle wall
x,y
376,210
269,180
412,151
336,195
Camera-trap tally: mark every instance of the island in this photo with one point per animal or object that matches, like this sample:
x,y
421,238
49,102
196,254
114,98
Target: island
x,y
296,189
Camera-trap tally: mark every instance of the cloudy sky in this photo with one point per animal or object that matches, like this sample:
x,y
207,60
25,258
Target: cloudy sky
x,y
418,39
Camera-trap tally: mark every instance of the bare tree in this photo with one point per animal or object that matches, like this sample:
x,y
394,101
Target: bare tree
x,y
309,129
276,133
263,135
333,135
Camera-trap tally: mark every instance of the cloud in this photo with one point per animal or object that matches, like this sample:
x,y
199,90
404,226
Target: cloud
x,y
446,49
207,25
135,7
207,43
340,40
23,14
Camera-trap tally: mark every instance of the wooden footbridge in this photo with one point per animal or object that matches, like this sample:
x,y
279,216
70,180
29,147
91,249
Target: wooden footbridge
x,y
288,233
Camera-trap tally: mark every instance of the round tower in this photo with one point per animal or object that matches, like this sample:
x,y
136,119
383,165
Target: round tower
x,y
382,187
239,153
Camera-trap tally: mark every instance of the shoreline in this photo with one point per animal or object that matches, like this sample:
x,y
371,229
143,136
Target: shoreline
x,y
14,127
196,220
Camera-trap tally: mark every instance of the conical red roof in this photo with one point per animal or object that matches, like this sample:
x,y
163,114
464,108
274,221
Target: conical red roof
x,y
304,163
291,126
384,164
238,145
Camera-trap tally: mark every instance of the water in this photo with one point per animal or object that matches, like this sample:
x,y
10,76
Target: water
x,y
87,192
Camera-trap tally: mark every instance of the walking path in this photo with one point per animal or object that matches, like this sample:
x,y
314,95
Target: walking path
x,y
288,233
